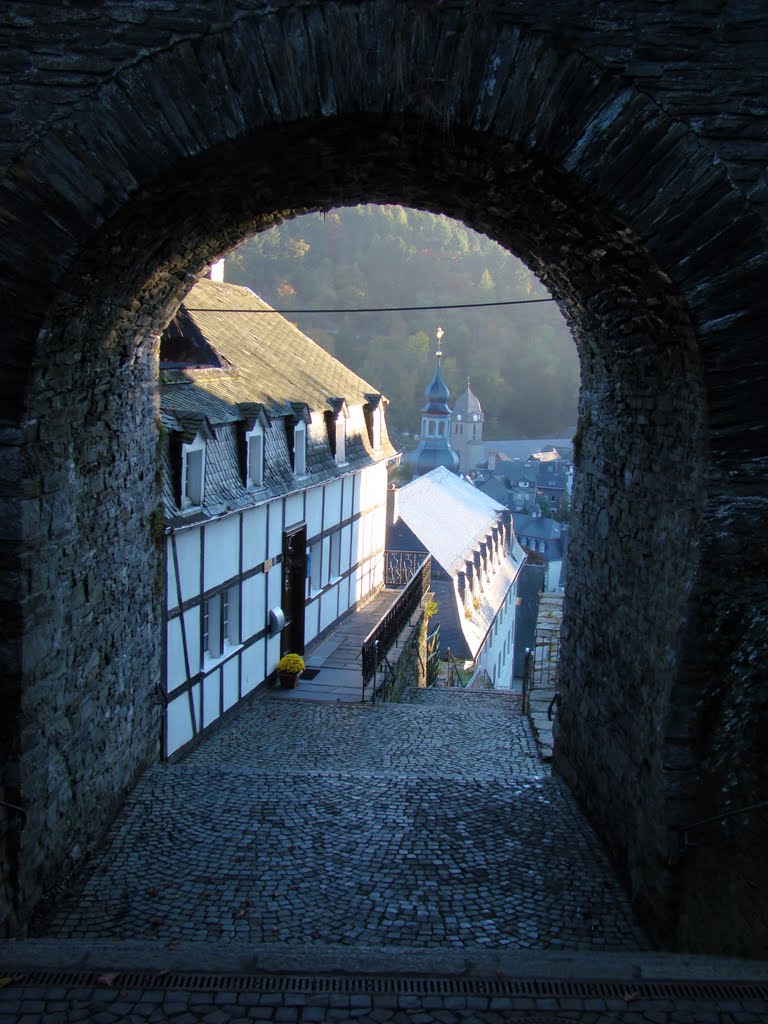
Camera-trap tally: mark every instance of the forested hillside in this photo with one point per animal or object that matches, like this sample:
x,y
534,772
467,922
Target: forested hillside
x,y
521,359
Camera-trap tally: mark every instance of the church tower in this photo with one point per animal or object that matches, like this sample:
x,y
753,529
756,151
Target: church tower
x,y
467,426
434,448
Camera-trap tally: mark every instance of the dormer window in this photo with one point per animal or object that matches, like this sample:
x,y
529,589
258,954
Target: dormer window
x,y
341,441
250,444
336,428
255,442
299,454
192,474
373,413
296,436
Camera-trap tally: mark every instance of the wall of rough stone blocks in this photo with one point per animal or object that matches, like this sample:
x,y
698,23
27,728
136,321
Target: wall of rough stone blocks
x,y
408,661
620,152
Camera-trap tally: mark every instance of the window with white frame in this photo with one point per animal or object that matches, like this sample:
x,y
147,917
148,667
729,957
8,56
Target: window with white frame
x,y
255,442
335,566
315,566
221,622
192,474
300,449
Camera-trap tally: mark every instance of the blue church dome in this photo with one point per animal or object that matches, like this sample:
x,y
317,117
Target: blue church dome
x,y
437,395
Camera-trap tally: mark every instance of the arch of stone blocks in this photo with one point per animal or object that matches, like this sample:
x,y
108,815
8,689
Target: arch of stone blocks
x,y
644,225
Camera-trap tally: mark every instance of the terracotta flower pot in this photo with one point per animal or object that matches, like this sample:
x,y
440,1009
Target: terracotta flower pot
x,y
289,679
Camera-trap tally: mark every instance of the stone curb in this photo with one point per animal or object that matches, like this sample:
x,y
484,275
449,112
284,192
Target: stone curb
x,y
47,954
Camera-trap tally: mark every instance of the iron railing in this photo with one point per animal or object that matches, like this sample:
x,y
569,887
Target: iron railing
x,y
401,566
383,636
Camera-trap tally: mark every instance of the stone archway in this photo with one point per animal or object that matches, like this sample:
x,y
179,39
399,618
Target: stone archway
x,y
616,204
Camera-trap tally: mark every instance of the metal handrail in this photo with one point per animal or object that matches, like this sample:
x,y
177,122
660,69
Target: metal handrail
x,y
475,675
384,634
401,566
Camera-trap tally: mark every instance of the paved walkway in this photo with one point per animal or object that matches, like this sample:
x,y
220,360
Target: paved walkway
x,y
334,666
368,842
428,825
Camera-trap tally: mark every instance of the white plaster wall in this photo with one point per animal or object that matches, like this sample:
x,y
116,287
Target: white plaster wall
x,y
344,595
356,542
379,528
188,552
328,607
211,697
254,608
347,496
274,586
314,511
222,551
366,532
275,530
332,511
178,724
231,673
176,672
273,652
254,537
294,509
311,619
346,535
253,666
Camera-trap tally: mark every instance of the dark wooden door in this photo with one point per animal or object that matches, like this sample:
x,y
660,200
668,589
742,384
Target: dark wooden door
x,y
294,586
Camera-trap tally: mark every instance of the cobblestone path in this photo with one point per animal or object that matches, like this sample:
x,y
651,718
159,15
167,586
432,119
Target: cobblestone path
x,y
428,824
395,864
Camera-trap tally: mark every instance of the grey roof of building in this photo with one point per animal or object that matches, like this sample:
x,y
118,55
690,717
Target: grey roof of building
x,y
523,448
496,489
268,360
467,405
264,362
433,452
540,527
447,514
449,517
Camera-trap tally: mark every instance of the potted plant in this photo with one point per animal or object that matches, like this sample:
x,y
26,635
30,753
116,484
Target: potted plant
x,y
289,668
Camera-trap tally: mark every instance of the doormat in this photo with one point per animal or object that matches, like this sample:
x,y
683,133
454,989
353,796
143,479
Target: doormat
x,y
309,673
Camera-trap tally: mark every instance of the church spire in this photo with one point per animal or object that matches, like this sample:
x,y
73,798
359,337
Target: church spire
x,y
434,447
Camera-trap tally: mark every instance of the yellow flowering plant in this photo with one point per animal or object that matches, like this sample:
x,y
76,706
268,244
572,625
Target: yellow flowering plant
x,y
291,663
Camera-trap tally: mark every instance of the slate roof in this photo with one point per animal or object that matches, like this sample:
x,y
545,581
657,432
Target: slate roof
x,y
449,517
271,360
540,527
467,404
523,448
447,514
264,361
496,489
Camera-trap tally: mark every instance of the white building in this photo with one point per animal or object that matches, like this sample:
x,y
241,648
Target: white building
x,y
275,475
476,562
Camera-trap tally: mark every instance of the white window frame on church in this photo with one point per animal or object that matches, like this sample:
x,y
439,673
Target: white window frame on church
x,y
193,475
255,455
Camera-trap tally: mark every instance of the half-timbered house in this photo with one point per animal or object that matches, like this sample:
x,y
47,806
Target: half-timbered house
x,y
274,459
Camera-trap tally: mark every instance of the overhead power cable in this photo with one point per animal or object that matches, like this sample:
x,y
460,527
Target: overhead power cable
x,y
374,309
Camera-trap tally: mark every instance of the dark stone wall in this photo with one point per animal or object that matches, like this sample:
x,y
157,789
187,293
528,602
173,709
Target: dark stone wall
x,y
619,153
